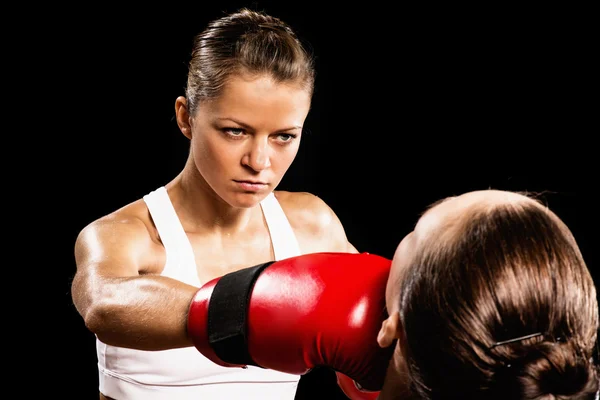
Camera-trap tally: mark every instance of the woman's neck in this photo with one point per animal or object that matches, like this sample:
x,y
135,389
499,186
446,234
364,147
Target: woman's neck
x,y
200,209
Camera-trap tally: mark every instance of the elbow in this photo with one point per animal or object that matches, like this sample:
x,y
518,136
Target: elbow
x,y
108,320
96,319
101,320
93,311
98,308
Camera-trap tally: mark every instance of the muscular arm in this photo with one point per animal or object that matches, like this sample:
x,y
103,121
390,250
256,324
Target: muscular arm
x,y
120,305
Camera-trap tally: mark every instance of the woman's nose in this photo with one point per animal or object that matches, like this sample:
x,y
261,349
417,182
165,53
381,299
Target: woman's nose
x,y
257,157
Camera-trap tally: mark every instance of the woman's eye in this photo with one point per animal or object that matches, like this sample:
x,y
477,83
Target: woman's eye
x,y
233,131
286,137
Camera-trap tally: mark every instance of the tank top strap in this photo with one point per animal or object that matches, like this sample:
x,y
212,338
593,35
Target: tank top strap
x,y
181,263
285,244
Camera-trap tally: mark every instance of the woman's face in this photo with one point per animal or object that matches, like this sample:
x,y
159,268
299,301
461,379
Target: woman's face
x,y
244,141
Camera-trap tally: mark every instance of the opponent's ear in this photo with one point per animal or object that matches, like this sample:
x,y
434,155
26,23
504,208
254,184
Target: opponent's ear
x,y
390,330
183,117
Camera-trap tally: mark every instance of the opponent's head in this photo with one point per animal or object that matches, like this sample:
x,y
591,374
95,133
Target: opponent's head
x,y
490,298
249,89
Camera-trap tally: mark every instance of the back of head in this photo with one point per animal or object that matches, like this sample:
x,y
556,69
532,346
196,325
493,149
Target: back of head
x,y
248,42
503,309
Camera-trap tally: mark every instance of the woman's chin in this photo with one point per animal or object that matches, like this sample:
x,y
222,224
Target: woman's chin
x,y
246,199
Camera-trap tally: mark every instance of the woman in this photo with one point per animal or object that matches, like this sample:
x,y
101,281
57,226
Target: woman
x,y
490,298
249,91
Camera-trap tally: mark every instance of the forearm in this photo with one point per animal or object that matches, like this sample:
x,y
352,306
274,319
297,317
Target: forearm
x,y
144,312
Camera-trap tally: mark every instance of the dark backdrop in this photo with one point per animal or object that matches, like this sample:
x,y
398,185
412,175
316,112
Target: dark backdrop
x,y
410,106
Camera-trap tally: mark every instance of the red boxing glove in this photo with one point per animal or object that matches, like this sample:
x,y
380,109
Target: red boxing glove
x,y
322,309
352,391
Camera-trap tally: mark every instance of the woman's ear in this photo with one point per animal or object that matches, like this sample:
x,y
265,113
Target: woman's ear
x,y
183,117
390,330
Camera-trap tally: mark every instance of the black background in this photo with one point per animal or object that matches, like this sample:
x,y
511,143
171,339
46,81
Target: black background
x,y
410,106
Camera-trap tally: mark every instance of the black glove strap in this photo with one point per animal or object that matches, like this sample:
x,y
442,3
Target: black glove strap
x,y
228,312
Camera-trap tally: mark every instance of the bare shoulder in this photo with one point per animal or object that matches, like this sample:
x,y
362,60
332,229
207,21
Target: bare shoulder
x,y
304,205
128,219
126,232
314,221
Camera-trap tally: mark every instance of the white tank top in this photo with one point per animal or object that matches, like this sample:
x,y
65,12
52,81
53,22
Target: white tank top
x,y
128,374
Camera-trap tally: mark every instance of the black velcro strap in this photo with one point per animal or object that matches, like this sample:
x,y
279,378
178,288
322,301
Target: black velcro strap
x,y
227,315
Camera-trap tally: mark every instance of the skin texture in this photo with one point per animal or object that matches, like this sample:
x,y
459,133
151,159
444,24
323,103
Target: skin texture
x,y
252,133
